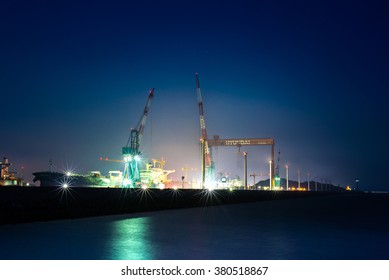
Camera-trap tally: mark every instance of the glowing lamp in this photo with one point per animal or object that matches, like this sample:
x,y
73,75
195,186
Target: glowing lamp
x,y
126,182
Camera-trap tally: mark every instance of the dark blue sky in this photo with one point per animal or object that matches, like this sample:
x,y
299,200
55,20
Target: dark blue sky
x,y
75,75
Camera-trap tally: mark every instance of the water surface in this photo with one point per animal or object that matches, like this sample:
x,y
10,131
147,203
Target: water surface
x,y
309,228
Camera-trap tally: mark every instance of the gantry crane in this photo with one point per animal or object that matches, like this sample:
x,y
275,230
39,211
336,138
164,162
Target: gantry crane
x,y
131,153
208,168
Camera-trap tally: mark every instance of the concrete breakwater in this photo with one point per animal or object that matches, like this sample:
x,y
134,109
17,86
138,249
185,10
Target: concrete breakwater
x,y
29,204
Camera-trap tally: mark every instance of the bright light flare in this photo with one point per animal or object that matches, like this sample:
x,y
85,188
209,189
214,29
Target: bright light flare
x,y
210,185
127,158
126,182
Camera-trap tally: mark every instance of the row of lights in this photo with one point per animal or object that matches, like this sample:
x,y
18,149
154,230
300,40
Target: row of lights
x,y
129,158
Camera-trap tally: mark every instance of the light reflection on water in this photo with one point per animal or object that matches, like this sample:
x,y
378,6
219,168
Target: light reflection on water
x,y
295,229
129,240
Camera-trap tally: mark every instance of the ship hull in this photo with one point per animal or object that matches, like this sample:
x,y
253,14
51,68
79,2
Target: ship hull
x,y
74,180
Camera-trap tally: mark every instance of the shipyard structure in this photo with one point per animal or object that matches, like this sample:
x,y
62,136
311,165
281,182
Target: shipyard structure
x,y
9,178
144,184
138,172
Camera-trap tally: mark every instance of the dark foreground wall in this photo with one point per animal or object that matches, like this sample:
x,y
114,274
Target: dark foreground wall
x,y
28,204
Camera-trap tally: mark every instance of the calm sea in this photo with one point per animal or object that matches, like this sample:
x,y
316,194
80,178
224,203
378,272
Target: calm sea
x,y
311,228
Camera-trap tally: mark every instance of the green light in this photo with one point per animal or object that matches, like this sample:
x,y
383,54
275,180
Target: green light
x,y
130,240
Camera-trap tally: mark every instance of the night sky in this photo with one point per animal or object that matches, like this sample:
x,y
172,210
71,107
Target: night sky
x,y
313,75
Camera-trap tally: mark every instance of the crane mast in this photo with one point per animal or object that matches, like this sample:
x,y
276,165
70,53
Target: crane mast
x,y
130,152
208,168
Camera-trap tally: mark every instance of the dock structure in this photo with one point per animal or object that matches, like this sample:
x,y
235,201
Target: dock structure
x,y
30,204
239,142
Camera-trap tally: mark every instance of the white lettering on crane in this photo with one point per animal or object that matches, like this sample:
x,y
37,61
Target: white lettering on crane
x,y
238,142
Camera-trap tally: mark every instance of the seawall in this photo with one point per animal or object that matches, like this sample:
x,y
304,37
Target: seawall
x,y
29,204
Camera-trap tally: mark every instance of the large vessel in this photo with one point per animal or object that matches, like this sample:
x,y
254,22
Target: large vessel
x,y
9,178
153,176
92,179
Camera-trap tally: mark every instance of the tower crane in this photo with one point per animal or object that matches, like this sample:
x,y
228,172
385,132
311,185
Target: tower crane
x,y
208,164
131,153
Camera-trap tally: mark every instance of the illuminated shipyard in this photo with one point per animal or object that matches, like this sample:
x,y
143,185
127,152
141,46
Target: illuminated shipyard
x,y
154,176
140,172
144,184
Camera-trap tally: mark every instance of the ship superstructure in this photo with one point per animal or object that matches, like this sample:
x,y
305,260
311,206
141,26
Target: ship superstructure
x,y
9,178
155,175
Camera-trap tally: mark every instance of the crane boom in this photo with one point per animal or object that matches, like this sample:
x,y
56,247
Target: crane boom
x,y
208,166
131,153
137,133
204,136
142,122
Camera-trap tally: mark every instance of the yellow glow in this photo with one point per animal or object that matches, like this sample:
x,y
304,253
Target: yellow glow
x,y
127,158
126,182
210,185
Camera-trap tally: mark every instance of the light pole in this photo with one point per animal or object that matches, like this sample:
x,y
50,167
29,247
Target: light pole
x,y
287,177
298,177
309,174
270,175
245,170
